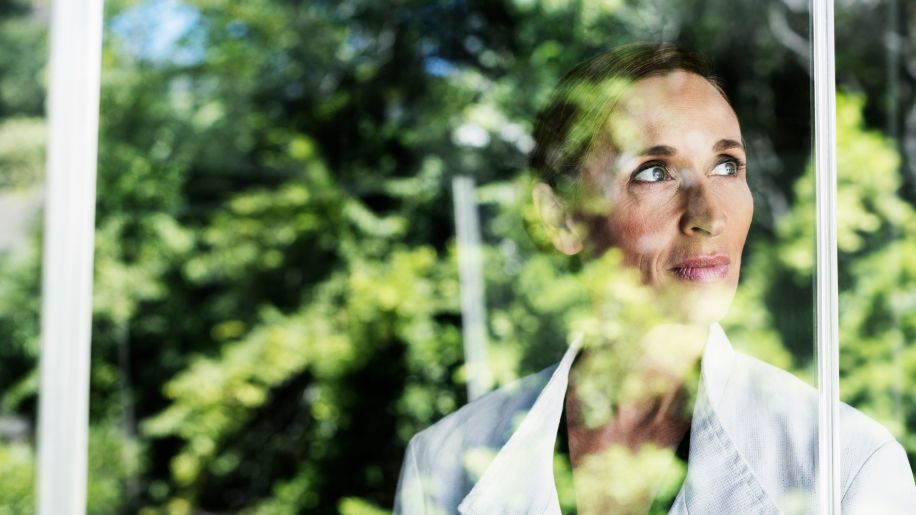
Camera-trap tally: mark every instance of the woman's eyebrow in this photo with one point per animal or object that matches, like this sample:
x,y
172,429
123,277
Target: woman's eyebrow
x,y
659,150
726,144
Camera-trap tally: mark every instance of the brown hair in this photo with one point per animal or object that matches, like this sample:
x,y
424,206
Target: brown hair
x,y
566,129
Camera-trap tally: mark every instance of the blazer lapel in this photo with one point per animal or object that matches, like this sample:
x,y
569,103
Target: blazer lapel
x,y
520,477
520,480
719,478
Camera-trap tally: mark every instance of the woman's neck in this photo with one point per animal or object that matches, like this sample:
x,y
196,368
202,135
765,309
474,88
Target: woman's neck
x,y
628,408
633,394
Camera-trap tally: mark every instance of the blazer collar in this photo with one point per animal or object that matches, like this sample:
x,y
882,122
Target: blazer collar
x,y
719,478
520,477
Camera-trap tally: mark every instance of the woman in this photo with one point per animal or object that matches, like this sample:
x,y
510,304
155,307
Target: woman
x,y
641,162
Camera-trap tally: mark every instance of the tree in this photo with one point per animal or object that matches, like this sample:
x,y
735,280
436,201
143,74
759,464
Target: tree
x,y
275,307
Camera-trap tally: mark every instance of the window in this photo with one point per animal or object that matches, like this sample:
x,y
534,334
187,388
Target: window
x,y
322,229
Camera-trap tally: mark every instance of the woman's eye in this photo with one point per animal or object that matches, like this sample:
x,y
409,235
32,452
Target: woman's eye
x,y
728,167
654,173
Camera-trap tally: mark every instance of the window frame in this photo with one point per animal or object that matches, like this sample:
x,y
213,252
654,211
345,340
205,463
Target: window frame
x,y
66,312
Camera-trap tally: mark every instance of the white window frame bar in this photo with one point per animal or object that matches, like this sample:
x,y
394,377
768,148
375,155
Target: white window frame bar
x,y
827,325
69,236
473,299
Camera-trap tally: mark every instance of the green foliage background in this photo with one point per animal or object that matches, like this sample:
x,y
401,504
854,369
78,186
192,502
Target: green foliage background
x,y
276,297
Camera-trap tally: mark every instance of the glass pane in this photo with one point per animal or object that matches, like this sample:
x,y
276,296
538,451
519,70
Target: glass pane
x,y
23,43
282,253
637,358
877,282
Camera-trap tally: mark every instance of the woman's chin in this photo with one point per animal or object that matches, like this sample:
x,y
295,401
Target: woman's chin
x,y
700,303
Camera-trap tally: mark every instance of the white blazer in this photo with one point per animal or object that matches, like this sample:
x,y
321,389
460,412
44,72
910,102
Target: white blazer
x,y
753,448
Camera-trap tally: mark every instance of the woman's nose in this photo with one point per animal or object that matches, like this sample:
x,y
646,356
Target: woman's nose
x,y
704,214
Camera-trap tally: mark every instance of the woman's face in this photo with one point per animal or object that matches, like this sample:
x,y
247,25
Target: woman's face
x,y
672,178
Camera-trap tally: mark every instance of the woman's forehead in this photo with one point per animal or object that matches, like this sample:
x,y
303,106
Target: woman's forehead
x,y
678,88
666,109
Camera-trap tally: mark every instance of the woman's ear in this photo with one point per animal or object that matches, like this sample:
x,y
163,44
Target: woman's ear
x,y
556,219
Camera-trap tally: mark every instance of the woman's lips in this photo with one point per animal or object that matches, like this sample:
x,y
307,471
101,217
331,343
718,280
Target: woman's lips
x,y
703,269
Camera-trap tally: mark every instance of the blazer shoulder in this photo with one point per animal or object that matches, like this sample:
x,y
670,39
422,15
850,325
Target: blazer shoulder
x,y
487,422
787,395
788,407
447,457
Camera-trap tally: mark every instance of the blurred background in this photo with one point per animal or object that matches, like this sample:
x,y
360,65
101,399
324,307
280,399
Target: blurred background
x,y
276,306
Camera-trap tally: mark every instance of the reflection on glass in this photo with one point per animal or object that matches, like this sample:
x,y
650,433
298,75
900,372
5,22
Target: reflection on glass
x,y
276,301
23,130
641,180
876,223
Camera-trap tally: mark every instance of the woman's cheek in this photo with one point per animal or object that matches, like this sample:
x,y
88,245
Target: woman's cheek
x,y
743,212
638,237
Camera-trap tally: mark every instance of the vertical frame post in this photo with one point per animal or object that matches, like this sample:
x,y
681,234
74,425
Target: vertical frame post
x,y
826,297
69,224
470,271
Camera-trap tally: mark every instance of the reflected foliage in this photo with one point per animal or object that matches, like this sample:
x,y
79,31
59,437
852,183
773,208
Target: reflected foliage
x,y
276,290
